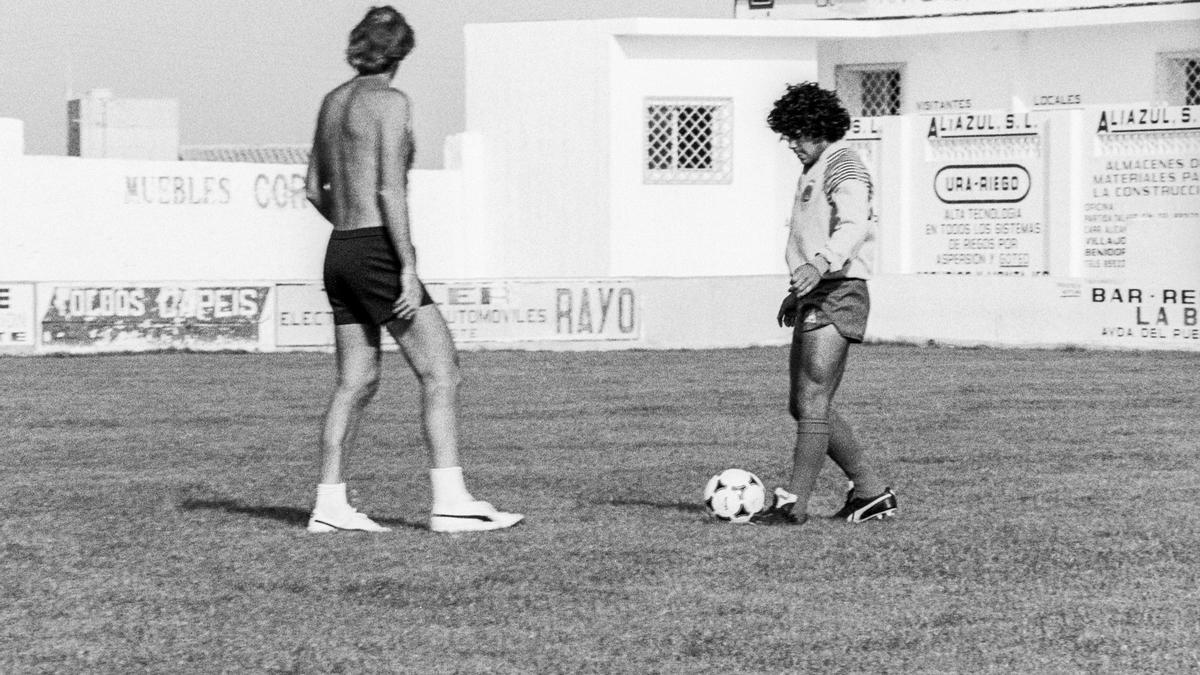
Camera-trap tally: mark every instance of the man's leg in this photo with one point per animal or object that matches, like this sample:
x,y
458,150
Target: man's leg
x,y
429,349
846,452
844,448
817,361
427,345
357,382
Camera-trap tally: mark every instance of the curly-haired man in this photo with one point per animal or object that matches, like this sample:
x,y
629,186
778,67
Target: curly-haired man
x,y
829,254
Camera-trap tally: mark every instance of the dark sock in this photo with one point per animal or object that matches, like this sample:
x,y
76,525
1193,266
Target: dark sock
x,y
846,452
812,442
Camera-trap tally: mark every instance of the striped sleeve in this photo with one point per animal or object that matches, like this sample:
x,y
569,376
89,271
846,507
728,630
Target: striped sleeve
x,y
843,165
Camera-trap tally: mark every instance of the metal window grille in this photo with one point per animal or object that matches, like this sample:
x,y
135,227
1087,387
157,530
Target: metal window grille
x,y
880,92
688,141
1191,81
870,90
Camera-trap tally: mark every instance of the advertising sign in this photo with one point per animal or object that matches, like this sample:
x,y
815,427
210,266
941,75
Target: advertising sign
x,y
516,311
478,311
17,315
136,317
303,317
1141,316
980,201
865,135
1141,211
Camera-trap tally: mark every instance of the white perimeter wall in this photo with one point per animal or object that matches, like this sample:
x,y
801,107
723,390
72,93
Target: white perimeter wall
x,y
71,219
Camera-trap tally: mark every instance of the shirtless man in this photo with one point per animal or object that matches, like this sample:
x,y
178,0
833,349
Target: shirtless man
x,y
358,180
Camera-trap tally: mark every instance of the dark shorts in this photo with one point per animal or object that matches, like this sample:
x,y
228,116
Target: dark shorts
x,y
362,276
842,303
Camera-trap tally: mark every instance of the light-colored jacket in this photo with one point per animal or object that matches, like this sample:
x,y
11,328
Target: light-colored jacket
x,y
833,214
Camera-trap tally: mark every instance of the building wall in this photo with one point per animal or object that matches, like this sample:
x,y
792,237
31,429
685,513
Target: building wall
x,y
537,103
69,219
703,230
1021,69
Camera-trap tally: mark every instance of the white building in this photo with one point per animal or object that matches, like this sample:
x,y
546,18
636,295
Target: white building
x,y
580,130
100,125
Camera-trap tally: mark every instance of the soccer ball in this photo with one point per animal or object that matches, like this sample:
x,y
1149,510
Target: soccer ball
x,y
734,495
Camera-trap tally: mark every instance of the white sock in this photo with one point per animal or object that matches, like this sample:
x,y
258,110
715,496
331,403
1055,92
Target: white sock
x,y
331,497
448,486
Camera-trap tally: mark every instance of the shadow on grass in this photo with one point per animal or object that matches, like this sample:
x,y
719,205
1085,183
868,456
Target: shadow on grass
x,y
284,514
682,507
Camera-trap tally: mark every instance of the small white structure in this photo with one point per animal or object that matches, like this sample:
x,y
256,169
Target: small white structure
x,y
12,137
104,126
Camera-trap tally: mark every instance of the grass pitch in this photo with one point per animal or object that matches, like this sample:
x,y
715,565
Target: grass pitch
x,y
154,505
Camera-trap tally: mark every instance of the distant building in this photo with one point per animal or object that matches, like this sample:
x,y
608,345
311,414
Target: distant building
x,y
103,126
100,125
12,137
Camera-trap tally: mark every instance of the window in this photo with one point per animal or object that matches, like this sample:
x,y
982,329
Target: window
x,y
870,90
688,141
1179,78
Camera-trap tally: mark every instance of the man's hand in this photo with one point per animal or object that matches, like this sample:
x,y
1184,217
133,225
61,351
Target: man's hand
x,y
410,297
804,279
787,310
807,276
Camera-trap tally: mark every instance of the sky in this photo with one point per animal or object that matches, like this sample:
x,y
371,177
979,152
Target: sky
x,y
252,71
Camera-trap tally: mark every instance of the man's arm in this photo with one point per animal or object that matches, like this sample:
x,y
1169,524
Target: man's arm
x,y
848,188
395,145
314,184
853,204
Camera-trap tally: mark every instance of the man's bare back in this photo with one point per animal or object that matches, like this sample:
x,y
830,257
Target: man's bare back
x,y
358,175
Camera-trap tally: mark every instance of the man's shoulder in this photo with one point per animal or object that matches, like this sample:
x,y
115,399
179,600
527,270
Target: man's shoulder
x,y
843,164
841,153
386,101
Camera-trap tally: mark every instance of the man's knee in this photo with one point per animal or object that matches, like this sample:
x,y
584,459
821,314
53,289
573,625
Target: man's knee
x,y
442,378
809,402
360,387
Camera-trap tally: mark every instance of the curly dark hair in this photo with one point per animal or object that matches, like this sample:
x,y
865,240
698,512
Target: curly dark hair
x,y
808,110
381,40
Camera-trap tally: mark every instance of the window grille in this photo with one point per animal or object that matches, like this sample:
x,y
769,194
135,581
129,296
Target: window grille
x,y
1179,79
688,141
870,90
1191,81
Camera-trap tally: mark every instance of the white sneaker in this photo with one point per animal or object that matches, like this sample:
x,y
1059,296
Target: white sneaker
x,y
471,517
349,520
